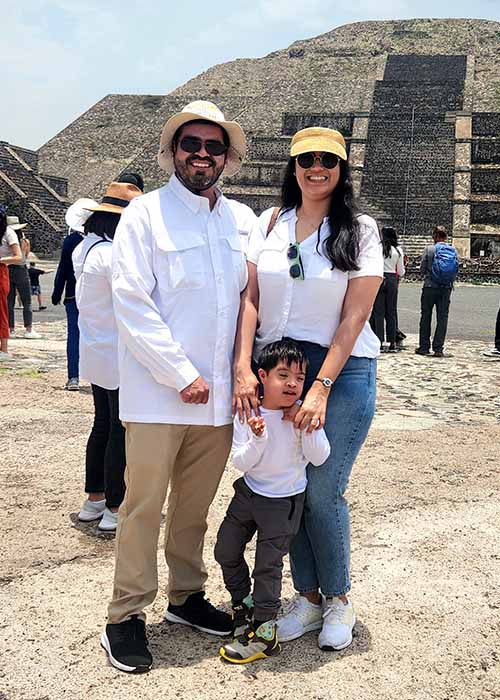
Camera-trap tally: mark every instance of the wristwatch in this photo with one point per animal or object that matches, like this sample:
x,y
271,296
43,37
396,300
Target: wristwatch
x,y
326,381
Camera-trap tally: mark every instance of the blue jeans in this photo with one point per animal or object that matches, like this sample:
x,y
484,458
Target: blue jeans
x,y
73,339
320,552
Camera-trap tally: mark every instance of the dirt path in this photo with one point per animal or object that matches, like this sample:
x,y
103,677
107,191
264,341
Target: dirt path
x,y
425,509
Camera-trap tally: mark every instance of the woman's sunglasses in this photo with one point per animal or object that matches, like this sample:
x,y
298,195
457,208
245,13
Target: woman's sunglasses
x,y
192,144
296,269
327,160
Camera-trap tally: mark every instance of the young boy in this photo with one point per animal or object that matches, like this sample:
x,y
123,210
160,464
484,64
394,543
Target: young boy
x,y
268,499
36,290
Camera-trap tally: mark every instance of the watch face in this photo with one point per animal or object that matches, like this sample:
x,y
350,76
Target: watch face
x,y
327,382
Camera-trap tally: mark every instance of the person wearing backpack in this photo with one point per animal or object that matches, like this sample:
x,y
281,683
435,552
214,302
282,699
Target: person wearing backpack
x,y
439,268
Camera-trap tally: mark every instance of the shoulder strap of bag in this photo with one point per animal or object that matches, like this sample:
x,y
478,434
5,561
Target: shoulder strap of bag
x,y
273,220
93,246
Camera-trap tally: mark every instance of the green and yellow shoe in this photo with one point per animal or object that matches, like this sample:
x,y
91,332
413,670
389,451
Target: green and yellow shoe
x,y
253,644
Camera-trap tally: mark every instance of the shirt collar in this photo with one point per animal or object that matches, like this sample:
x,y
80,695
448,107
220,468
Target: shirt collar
x,y
193,201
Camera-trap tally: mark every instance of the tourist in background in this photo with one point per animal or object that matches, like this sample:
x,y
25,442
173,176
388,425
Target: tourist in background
x,y
20,282
35,273
64,284
439,268
314,269
384,315
495,350
10,252
105,453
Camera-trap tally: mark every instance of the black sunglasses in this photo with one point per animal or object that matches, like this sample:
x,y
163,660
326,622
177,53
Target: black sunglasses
x,y
296,269
327,160
192,144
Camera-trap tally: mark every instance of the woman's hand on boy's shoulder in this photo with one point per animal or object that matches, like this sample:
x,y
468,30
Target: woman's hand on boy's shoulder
x,y
257,425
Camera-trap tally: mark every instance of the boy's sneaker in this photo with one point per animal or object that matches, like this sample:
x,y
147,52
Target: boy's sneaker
x,y
338,622
494,352
253,644
109,521
127,646
32,335
242,615
299,617
92,510
199,612
72,384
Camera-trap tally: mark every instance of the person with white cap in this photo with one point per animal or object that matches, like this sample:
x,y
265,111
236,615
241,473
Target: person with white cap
x,y
315,266
105,452
178,271
64,284
20,283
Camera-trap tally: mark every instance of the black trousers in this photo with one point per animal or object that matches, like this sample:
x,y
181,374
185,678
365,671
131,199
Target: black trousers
x,y
438,297
20,281
497,331
276,522
105,456
385,309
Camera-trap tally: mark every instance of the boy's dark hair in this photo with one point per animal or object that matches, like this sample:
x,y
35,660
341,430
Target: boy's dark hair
x,y
285,350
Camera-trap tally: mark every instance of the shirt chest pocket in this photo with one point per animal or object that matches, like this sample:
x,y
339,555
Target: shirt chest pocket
x,y
181,265
273,258
236,262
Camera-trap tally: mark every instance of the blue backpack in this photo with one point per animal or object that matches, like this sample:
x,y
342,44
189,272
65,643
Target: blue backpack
x,y
445,265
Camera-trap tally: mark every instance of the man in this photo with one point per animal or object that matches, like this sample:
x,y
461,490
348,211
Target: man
x,y
439,268
178,271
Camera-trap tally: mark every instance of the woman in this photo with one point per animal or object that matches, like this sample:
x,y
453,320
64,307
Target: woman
x,y
19,281
105,454
10,253
385,308
314,273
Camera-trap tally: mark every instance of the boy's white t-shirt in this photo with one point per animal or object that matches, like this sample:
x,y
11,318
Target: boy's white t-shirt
x,y
274,464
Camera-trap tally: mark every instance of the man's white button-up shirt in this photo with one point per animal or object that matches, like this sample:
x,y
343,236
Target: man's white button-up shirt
x,y
178,271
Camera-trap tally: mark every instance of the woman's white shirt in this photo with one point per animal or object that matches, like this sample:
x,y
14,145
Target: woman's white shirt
x,y
308,309
96,320
395,262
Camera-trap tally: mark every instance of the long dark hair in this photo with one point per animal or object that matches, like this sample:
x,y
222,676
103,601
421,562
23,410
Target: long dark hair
x,y
102,223
389,240
342,245
3,220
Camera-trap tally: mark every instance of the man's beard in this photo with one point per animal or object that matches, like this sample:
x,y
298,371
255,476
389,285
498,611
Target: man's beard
x,y
198,180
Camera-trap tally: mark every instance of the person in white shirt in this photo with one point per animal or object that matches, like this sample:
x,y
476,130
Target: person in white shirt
x,y
315,266
268,500
105,452
10,251
178,272
385,308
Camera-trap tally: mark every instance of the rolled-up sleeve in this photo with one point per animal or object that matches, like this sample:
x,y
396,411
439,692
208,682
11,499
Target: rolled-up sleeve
x,y
140,325
370,259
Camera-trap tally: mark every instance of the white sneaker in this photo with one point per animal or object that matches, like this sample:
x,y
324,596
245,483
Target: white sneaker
x,y
338,622
4,356
299,617
92,510
109,521
32,335
12,332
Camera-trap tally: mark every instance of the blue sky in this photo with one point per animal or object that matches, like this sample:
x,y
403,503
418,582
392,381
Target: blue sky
x,y
59,57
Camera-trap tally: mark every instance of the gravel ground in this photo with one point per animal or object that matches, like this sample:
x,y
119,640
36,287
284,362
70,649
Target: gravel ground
x,y
425,557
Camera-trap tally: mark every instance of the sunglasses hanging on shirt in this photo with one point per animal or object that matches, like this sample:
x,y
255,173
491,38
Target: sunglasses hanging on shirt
x,y
192,144
326,160
296,269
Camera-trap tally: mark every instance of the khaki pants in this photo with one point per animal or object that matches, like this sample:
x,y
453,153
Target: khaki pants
x,y
191,458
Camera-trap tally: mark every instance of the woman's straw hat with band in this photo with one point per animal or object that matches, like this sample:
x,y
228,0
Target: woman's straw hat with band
x,y
206,111
318,139
117,197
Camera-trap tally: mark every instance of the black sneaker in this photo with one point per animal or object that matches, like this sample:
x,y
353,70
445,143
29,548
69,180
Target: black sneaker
x,y
419,351
199,612
242,615
127,646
